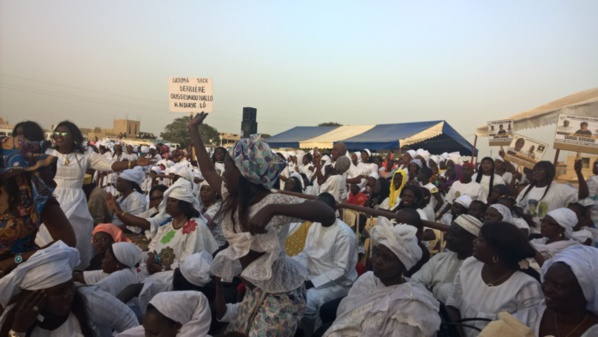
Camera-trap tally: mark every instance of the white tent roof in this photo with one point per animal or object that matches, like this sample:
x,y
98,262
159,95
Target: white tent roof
x,y
583,103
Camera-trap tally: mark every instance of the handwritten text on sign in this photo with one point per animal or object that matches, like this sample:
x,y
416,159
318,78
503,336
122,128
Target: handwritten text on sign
x,y
189,94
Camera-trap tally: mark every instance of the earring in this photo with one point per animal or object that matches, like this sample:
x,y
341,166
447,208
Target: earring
x,y
495,259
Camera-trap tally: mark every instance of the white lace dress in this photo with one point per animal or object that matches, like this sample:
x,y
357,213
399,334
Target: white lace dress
x,y
273,272
70,173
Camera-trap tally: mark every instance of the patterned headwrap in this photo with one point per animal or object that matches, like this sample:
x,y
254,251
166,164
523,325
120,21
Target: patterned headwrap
x,y
256,161
25,163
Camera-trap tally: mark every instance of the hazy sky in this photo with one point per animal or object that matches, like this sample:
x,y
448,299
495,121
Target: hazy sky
x,y
298,63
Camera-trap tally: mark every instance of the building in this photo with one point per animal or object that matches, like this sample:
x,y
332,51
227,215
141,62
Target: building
x,y
228,139
121,127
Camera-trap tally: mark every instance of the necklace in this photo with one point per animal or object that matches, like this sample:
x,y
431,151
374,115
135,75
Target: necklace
x,y
66,159
500,279
574,329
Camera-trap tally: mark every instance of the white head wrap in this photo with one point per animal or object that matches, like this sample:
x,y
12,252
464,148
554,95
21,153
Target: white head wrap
x,y
504,211
184,172
135,175
326,159
412,153
144,149
358,154
127,253
464,200
400,239
469,223
417,162
583,261
566,218
182,191
196,268
156,169
152,147
46,268
498,157
435,159
190,308
368,152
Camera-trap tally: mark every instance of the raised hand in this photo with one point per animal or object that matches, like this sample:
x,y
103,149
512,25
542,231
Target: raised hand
x,y
197,120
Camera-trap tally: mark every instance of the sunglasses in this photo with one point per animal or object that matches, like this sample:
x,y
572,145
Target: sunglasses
x,y
63,133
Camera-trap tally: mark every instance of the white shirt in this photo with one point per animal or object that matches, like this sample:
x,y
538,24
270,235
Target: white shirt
x,y
438,274
330,254
485,181
112,283
472,189
558,195
133,204
474,298
129,157
335,185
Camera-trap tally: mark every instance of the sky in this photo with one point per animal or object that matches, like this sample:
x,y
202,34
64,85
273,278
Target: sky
x,y
298,63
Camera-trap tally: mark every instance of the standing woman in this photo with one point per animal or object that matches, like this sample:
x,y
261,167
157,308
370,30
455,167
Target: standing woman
x,y
486,176
255,223
73,161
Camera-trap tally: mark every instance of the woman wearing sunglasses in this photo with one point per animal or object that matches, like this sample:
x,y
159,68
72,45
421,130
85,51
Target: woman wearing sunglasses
x,y
73,160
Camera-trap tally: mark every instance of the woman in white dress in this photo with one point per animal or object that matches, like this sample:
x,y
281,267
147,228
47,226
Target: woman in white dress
x,y
486,176
73,160
493,280
557,234
185,234
383,302
571,296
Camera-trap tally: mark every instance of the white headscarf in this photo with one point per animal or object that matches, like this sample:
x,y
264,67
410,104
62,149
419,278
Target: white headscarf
x,y
126,253
135,175
566,218
156,169
412,153
469,223
144,149
184,172
190,308
298,176
464,200
504,211
583,261
182,191
196,268
400,239
46,268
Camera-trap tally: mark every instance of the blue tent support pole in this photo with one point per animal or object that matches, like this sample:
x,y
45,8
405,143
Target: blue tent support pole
x,y
474,156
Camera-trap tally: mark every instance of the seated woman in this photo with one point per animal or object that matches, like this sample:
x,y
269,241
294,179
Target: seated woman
x,y
499,212
103,236
556,228
211,203
412,197
177,313
118,269
131,198
39,298
492,280
399,179
186,233
382,302
145,220
571,295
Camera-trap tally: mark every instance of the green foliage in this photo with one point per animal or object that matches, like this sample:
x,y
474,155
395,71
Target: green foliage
x,y
330,124
176,132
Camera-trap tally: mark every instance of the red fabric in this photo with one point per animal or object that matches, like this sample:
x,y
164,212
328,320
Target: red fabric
x,y
359,199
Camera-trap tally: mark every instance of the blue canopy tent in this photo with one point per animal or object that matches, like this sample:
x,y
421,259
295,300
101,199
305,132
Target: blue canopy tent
x,y
434,136
292,137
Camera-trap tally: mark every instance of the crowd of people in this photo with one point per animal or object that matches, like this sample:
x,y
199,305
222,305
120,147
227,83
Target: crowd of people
x,y
104,238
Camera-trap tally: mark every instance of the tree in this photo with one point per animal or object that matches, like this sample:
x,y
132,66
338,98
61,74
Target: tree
x,y
176,132
330,124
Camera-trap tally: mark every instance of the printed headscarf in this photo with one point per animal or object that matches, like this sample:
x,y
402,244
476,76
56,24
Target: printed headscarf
x,y
256,161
